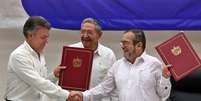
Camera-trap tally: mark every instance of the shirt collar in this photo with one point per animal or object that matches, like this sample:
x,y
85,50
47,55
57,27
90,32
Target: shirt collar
x,y
28,47
98,50
142,56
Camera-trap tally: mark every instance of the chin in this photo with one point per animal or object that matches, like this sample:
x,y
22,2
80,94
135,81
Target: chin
x,y
127,55
86,44
86,47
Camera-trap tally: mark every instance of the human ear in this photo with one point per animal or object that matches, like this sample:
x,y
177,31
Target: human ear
x,y
139,44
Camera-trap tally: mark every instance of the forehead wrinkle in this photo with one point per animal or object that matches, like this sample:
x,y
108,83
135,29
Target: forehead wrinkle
x,y
88,25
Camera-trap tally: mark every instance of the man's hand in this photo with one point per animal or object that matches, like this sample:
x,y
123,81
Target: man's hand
x,y
166,72
57,70
75,96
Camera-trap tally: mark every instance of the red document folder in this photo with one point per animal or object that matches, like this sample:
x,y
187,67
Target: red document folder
x,y
179,52
78,72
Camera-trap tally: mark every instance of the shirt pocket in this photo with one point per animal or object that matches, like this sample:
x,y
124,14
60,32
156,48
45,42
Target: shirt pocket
x,y
147,80
40,69
103,65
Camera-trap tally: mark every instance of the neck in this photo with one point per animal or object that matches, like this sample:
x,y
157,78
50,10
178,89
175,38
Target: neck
x,y
94,46
32,46
131,59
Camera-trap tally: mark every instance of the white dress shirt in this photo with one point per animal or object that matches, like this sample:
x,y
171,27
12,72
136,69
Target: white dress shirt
x,y
141,81
27,77
103,59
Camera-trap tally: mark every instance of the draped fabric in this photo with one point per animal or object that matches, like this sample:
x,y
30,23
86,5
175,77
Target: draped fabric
x,y
120,14
12,14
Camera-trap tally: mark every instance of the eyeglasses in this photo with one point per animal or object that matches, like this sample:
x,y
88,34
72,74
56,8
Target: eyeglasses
x,y
87,32
125,43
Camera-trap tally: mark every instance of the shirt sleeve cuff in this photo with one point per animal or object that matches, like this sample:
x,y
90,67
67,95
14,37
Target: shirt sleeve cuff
x,y
86,96
165,82
52,78
64,95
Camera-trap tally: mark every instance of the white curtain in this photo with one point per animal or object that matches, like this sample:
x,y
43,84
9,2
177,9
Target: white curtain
x,y
12,14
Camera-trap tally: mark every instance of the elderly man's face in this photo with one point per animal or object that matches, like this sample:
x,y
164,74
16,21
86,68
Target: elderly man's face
x,y
128,47
89,35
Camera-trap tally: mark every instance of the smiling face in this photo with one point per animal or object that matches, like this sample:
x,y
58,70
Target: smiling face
x,y
130,49
89,36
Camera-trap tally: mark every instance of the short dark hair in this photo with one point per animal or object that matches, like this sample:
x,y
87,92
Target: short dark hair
x,y
33,23
139,36
93,21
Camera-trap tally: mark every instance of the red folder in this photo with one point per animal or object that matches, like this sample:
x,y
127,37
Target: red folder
x,y
78,72
178,51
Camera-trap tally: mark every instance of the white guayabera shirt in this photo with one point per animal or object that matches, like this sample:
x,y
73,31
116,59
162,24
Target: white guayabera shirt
x,y
141,81
103,60
27,77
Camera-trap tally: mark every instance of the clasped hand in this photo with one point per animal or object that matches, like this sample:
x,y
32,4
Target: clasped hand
x,y
75,96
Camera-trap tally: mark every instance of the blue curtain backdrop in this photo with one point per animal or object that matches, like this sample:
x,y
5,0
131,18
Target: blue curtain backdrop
x,y
120,14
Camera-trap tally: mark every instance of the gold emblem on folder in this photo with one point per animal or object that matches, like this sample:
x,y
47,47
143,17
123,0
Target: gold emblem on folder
x,y
176,50
77,62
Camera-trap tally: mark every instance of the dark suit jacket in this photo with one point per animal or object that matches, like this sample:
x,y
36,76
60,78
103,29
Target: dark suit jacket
x,y
187,89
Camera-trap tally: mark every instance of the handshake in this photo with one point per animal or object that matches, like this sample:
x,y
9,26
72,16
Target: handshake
x,y
75,96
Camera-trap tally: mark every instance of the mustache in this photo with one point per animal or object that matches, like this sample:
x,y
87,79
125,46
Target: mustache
x,y
85,39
